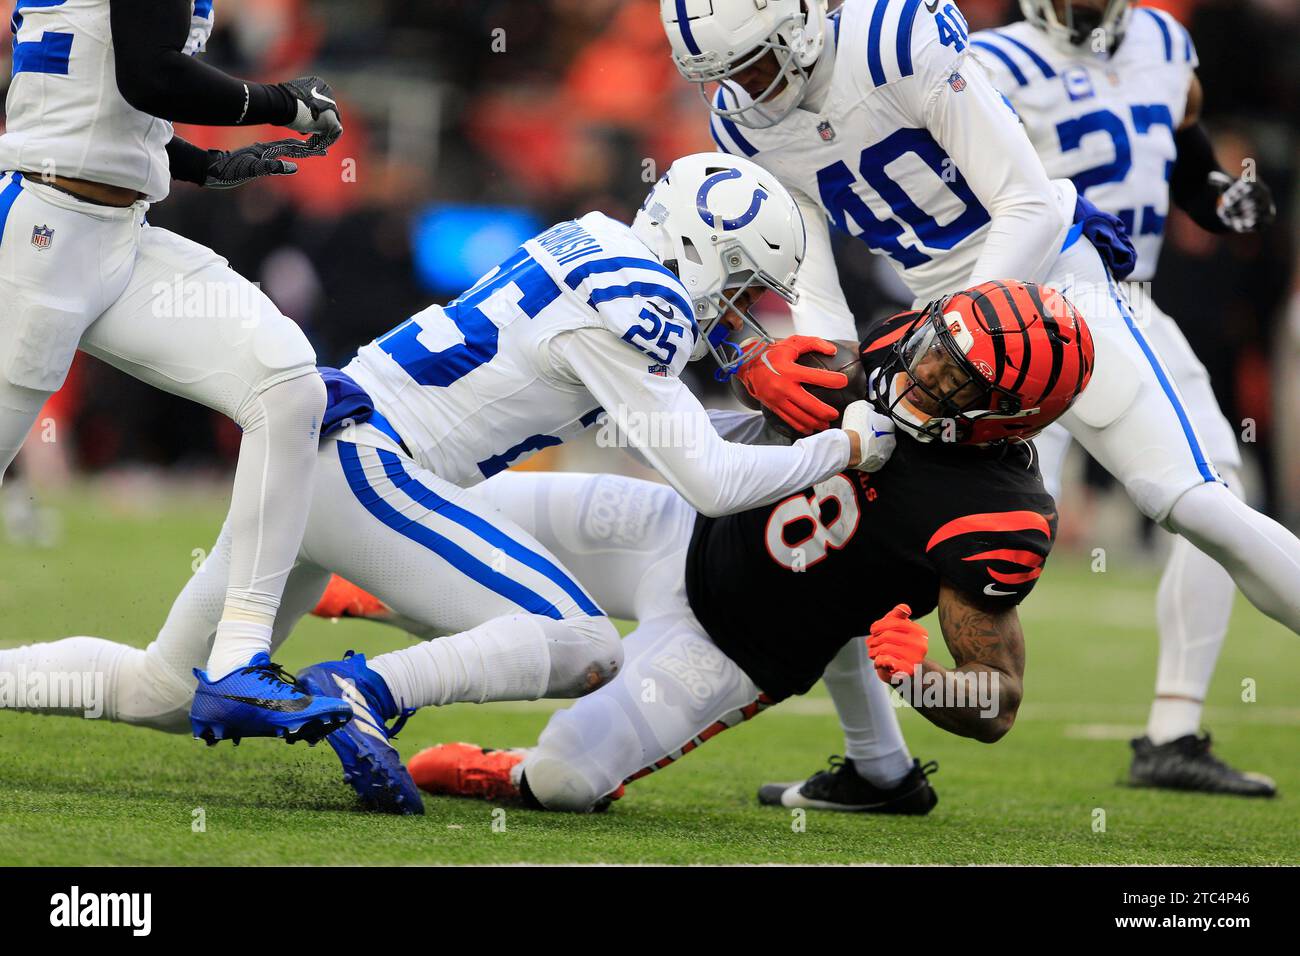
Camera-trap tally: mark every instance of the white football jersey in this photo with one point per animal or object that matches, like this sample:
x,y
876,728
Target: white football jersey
x,y
470,387
1106,123
894,82
65,114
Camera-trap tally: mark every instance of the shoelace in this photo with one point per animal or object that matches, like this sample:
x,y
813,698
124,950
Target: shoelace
x,y
403,716
274,673
837,764
1200,751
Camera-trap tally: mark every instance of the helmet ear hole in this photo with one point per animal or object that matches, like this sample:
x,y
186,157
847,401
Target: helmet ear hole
x,y
692,253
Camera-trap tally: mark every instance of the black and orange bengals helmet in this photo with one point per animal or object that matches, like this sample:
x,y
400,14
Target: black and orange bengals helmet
x,y
998,362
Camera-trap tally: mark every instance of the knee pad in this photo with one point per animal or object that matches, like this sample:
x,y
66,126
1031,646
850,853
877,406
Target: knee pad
x,y
298,400
42,343
586,653
582,755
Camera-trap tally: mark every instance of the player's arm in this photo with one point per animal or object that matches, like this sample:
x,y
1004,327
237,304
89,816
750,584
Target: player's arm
x,y
982,691
662,418
821,309
986,142
1201,188
155,76
987,641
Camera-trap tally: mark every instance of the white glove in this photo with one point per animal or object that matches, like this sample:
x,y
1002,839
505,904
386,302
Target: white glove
x,y
875,433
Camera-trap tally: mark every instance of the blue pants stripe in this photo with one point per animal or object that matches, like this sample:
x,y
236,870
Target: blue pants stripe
x,y
442,546
1202,464
494,536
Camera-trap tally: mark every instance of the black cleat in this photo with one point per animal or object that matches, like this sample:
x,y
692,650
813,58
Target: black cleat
x,y
841,788
1187,764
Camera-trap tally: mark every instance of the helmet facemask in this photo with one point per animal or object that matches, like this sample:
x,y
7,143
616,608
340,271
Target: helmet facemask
x,y
743,285
782,96
931,389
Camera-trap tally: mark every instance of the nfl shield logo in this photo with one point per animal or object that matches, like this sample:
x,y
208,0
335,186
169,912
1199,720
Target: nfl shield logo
x,y
957,82
826,131
42,237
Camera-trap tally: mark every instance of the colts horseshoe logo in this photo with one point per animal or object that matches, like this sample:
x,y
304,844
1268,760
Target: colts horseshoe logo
x,y
702,203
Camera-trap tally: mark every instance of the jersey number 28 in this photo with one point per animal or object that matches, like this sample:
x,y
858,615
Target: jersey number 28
x,y
802,514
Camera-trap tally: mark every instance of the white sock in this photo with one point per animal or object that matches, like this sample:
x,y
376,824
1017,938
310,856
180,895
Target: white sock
x,y
1192,610
506,658
872,738
1172,718
236,643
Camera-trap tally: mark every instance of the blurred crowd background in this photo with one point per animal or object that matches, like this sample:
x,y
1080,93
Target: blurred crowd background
x,y
472,124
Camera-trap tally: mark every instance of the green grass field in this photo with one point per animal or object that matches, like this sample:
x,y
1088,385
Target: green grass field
x,y
87,792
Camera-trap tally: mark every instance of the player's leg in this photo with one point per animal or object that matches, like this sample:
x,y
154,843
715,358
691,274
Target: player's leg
x,y
60,267
1133,420
152,686
1193,606
624,538
676,691
190,325
518,624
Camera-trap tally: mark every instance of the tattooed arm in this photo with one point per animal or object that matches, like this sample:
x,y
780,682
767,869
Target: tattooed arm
x,y
982,693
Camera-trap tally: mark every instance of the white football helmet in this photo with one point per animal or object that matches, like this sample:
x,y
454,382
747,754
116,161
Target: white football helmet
x,y
712,40
1095,26
725,226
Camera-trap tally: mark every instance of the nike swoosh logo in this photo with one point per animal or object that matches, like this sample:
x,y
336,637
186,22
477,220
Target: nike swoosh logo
x,y
991,591
666,313
932,7
281,706
768,363
317,95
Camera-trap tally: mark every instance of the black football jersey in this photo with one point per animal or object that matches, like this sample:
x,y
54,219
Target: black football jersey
x,y
781,588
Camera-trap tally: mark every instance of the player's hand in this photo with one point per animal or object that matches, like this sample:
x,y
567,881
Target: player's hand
x,y
228,170
897,644
318,111
876,441
773,375
1243,206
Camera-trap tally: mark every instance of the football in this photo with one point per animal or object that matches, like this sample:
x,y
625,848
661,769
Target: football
x,y
844,360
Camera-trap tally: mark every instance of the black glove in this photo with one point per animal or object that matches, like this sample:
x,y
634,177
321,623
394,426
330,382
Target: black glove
x,y
318,113
1244,206
228,170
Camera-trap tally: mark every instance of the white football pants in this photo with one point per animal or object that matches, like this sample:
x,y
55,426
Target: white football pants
x,y
173,314
519,625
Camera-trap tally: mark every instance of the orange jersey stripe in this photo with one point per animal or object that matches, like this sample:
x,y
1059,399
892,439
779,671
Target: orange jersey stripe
x,y
992,521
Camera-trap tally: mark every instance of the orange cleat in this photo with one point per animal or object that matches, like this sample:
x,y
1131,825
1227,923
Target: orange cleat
x,y
344,599
467,770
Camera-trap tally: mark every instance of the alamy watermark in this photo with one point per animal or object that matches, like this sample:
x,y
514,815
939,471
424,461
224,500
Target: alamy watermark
x,y
53,690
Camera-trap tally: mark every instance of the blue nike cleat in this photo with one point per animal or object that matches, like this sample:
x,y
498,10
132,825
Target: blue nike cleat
x,y
370,763
261,700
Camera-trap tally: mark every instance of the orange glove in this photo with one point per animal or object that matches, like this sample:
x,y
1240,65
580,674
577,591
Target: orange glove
x,y
897,643
773,375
